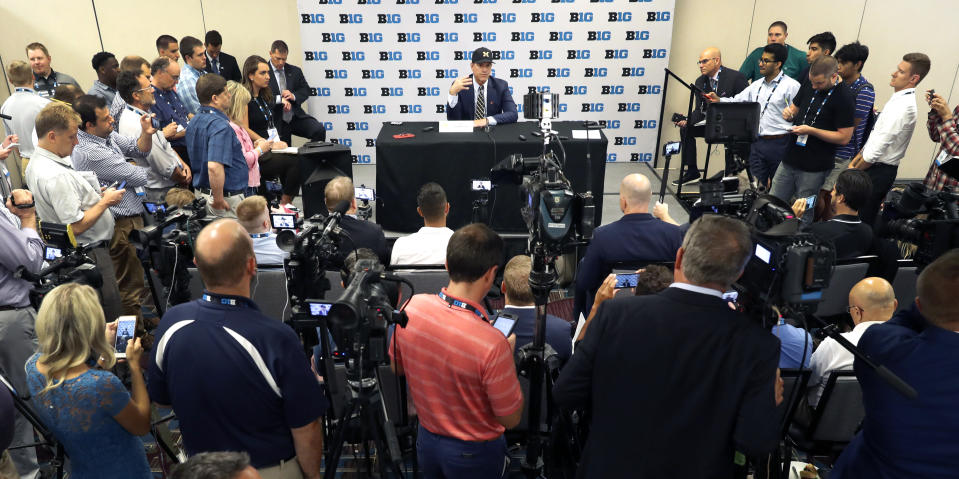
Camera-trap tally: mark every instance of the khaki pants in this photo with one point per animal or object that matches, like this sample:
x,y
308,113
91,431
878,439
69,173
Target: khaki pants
x,y
230,200
284,470
127,266
7,471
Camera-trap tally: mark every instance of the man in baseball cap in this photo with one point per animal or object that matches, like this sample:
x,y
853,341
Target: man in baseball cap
x,y
481,97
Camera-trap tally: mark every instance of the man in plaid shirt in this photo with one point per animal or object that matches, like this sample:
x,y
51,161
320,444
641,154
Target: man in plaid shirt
x,y
942,129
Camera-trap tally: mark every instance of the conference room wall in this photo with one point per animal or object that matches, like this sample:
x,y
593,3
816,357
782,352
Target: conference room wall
x,y
889,28
69,29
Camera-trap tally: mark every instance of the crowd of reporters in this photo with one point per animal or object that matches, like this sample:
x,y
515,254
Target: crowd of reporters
x,y
695,380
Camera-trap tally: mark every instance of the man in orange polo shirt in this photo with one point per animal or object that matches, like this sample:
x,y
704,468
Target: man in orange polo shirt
x,y
459,368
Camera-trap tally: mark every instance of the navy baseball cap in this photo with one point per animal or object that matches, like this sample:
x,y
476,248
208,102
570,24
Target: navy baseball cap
x,y
482,55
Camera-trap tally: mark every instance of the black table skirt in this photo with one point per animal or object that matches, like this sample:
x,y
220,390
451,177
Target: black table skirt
x,y
453,159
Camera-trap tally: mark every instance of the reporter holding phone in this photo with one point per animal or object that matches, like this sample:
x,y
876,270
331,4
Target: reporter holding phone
x,y
262,120
848,233
75,395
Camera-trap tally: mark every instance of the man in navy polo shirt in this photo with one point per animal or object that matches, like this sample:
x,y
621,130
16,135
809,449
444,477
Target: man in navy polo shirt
x,y
238,380
220,172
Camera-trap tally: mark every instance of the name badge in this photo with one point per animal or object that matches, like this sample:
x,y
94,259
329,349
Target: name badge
x,y
943,157
272,135
139,191
801,140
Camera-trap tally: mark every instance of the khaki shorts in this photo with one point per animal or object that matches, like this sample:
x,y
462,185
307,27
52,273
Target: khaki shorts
x,y
233,201
284,470
838,167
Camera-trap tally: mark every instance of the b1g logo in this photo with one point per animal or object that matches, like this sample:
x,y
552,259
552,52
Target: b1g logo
x,y
649,90
547,17
329,2
354,91
621,54
580,17
328,126
522,36
610,157
333,38
335,74
644,124
536,89
612,90
592,107
657,53
319,91
465,18
391,91
575,90
619,17
593,72
388,18
634,71
557,72
314,56
625,140
540,54
630,107
392,56
577,54
412,37
447,37
484,36
524,1
504,18
338,109
560,36
374,109
371,38
427,18
357,126
410,74
372,74
370,142
430,56
601,36
521,73
407,2
342,141
642,157
353,56
428,91
657,16
411,109
362,159
447,73
637,35
351,18
609,124
312,18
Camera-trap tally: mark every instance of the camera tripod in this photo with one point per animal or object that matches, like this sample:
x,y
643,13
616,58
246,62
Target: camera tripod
x,y
48,439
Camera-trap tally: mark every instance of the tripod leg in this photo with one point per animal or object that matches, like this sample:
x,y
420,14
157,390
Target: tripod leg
x,y
336,447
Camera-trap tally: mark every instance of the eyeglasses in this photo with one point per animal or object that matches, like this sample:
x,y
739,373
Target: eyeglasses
x,y
142,89
765,61
849,309
705,61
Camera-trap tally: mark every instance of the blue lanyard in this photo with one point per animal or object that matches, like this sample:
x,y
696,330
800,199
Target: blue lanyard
x,y
770,97
22,89
259,235
461,304
811,100
224,301
172,105
267,113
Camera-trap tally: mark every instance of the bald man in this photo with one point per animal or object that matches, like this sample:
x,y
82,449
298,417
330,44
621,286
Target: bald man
x,y
871,301
239,380
723,81
917,437
637,237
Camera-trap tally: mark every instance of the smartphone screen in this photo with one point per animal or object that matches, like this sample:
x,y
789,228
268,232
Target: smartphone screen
x,y
151,207
505,323
122,184
126,326
731,296
810,201
283,221
50,253
319,309
364,193
627,280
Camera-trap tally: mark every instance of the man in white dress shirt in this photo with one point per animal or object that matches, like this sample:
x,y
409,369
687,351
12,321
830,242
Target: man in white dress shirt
x,y
773,93
428,245
890,137
871,301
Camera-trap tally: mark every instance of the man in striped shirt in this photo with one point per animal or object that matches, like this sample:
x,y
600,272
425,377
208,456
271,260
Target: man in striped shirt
x,y
459,367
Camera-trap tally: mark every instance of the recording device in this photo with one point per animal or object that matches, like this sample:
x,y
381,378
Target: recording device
x,y
672,148
318,308
731,296
482,185
313,250
678,117
810,201
118,184
935,233
153,208
932,93
273,186
627,280
283,221
363,193
126,327
51,253
790,270
505,323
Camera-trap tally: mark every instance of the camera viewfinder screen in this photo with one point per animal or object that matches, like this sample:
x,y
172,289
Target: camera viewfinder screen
x,y
319,309
51,253
482,185
763,253
283,221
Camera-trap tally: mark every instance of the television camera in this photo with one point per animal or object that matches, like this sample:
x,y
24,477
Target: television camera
x,y
66,262
925,218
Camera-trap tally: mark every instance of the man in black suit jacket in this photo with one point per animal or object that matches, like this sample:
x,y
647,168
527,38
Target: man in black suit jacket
x,y
726,82
677,382
289,85
498,106
217,61
362,234
520,301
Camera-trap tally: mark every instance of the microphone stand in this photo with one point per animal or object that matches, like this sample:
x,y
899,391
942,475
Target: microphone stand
x,y
686,131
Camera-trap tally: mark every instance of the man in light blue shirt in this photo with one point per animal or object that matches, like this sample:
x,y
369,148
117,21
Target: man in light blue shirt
x,y
774,93
194,59
254,214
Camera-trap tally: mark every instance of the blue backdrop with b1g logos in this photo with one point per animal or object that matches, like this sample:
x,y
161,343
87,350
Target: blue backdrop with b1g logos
x,y
370,61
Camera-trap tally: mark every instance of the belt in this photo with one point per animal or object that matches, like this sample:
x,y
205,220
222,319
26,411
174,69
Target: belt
x,y
10,307
773,137
207,191
127,217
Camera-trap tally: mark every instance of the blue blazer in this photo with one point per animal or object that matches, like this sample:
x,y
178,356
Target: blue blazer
x,y
901,437
499,103
558,331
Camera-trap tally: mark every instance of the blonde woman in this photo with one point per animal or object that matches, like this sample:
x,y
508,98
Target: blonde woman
x,y
252,151
86,407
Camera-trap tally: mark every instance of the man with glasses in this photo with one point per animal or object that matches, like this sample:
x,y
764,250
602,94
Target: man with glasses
x,y
715,78
168,107
795,62
774,93
489,103
871,301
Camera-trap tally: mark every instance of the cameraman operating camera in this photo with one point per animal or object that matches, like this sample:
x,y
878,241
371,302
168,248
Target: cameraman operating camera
x,y
20,245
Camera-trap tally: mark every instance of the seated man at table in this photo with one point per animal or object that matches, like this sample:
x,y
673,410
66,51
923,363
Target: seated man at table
x,y
362,234
492,103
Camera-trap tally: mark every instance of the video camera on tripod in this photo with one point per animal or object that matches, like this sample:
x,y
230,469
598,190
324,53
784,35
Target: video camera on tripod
x,y
932,235
67,262
313,250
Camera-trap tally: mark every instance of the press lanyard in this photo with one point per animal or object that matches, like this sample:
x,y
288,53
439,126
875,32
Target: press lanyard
x,y
820,106
22,89
224,301
267,114
171,105
770,97
460,304
259,235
